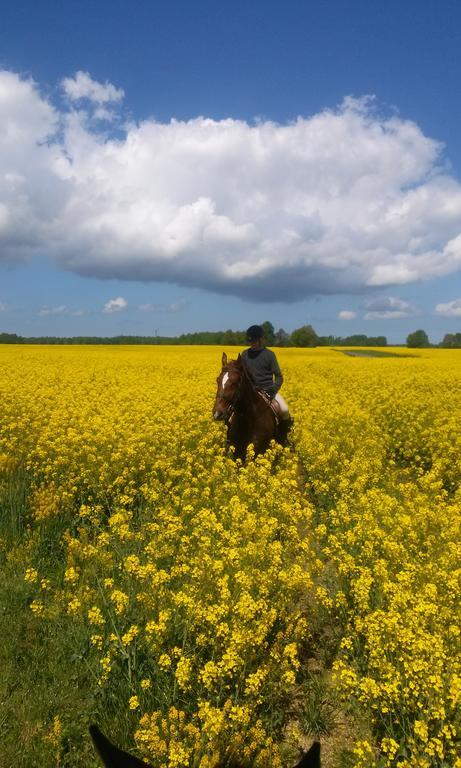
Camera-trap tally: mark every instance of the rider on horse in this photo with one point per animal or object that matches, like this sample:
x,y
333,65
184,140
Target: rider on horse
x,y
265,370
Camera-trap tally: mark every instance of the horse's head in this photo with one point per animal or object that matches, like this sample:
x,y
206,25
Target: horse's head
x,y
228,382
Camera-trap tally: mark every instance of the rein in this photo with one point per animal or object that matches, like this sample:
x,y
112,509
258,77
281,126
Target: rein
x,y
247,411
231,408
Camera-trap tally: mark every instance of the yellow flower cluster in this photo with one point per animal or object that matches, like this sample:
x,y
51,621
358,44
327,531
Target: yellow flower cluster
x,y
205,586
381,449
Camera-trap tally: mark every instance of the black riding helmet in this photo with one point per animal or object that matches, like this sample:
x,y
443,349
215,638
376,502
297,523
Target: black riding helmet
x,y
254,333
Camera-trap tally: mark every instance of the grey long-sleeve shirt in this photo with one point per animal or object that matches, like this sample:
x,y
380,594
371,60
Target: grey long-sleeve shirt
x,y
263,365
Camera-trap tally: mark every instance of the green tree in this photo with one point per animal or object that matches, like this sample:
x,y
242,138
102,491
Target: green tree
x,y
10,338
418,339
451,340
269,334
304,337
377,341
327,341
230,338
282,338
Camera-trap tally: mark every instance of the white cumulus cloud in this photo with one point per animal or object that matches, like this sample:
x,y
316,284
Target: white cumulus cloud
x,y
174,306
347,314
115,305
82,86
45,310
450,309
388,308
346,200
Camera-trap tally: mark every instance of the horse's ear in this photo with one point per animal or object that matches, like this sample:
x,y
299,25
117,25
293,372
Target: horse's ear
x,y
312,758
239,359
113,757
224,359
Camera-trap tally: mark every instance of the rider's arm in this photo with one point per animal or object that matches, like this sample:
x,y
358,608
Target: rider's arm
x,y
278,378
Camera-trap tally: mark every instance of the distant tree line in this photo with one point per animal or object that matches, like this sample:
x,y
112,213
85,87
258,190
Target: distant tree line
x,y
451,341
305,336
10,338
420,339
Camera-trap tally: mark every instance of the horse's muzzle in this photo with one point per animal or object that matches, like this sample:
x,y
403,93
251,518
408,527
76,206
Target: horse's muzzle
x,y
218,415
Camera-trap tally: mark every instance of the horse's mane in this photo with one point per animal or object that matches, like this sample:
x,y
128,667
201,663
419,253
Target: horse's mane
x,y
247,373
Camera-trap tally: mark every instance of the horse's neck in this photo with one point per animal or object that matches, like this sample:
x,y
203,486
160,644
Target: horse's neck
x,y
248,394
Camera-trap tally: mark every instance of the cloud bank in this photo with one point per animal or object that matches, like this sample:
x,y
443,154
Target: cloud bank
x,y
450,309
341,202
388,308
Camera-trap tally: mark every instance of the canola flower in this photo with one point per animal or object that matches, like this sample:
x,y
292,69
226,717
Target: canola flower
x,y
204,586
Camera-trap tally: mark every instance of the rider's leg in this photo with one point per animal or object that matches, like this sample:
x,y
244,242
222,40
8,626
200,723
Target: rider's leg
x,y
286,422
284,410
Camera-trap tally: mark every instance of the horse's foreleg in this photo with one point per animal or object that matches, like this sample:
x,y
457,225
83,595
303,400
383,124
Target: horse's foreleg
x,y
236,440
262,434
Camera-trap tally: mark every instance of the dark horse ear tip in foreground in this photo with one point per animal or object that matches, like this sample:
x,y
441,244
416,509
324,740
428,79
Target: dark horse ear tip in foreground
x,y
312,758
113,757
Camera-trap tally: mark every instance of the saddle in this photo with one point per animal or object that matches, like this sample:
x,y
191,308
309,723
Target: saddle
x,y
273,405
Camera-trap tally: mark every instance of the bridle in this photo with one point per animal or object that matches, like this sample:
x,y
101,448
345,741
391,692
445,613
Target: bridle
x,y
231,401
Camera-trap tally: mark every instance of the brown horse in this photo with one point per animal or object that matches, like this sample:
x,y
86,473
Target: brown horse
x,y
113,757
246,411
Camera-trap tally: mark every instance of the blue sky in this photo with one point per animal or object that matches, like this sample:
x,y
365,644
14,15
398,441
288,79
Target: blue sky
x,y
167,167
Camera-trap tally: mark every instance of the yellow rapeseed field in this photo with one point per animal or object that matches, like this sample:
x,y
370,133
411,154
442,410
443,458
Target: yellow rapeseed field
x,y
209,601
